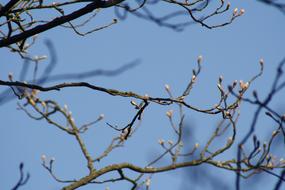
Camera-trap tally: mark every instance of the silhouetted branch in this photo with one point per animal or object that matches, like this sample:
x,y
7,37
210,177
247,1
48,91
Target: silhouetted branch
x,y
276,87
23,178
275,3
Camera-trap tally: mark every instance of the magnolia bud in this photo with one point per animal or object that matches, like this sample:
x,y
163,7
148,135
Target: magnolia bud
x,y
200,59
101,116
235,11
167,87
241,12
169,113
197,145
43,157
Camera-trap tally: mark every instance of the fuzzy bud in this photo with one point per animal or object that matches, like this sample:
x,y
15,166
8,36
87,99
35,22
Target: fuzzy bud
x,y
161,141
230,140
167,87
243,85
170,142
146,96
169,113
261,62
200,59
193,78
43,157
241,12
101,116
221,78
147,182
10,77
235,12
197,145
274,133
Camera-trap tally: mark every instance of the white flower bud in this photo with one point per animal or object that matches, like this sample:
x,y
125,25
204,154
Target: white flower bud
x,y
169,113
101,116
167,87
243,85
241,12
43,157
10,76
193,78
275,132
146,96
235,11
230,140
197,145
134,103
147,182
170,142
261,62
200,59
161,141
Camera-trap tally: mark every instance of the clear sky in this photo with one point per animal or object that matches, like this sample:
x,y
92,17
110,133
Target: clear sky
x,y
166,57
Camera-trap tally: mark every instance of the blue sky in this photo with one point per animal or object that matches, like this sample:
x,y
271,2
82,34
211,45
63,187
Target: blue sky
x,y
166,57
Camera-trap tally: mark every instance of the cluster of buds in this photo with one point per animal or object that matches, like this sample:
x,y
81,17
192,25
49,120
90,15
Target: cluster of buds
x,y
45,159
238,13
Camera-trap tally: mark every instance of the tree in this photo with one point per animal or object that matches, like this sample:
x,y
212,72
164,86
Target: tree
x,y
225,148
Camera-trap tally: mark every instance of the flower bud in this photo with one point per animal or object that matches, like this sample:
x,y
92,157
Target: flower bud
x,y
101,116
169,113
235,12
43,157
167,87
241,12
161,141
147,182
197,145
200,59
261,62
170,142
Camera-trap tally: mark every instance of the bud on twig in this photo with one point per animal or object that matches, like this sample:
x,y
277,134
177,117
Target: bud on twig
x,y
261,62
167,87
241,12
200,59
197,145
101,116
43,157
10,77
161,141
169,113
235,12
